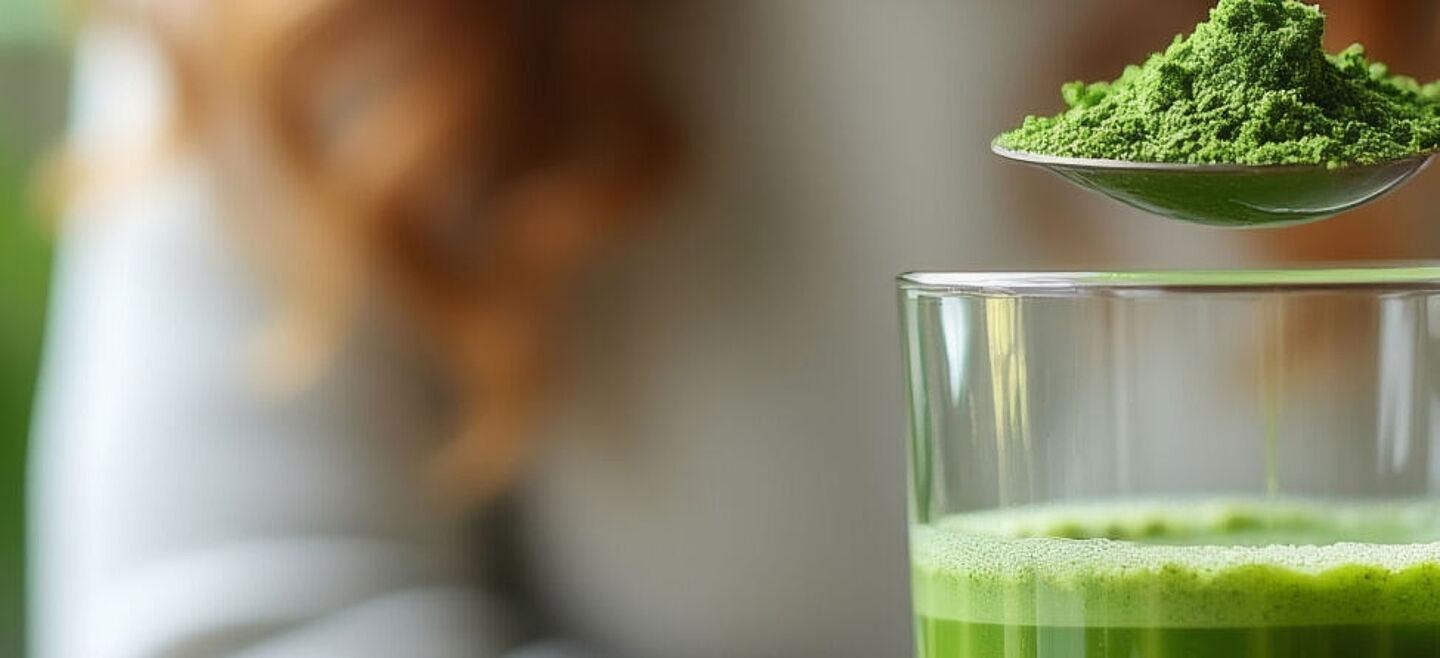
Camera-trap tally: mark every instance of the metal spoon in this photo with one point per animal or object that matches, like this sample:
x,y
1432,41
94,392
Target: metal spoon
x,y
1233,195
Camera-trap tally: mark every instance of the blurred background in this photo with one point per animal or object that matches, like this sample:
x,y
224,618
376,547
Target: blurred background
x,y
34,76
832,144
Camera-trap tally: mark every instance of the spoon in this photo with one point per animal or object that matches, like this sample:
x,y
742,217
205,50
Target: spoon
x,y
1241,196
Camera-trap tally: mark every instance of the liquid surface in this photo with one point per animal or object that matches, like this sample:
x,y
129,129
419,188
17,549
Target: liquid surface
x,y
1181,579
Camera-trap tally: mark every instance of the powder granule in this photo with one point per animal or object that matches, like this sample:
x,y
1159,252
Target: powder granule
x,y
1254,86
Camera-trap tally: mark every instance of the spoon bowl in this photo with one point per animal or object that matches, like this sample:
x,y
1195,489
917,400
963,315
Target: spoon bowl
x,y
1240,196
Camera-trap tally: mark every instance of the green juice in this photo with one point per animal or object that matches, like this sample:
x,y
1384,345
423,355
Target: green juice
x,y
1216,579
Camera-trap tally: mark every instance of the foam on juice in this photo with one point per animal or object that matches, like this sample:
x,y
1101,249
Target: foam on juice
x,y
1218,564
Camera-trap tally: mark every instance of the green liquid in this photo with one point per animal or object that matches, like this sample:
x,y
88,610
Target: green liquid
x,y
940,637
1237,579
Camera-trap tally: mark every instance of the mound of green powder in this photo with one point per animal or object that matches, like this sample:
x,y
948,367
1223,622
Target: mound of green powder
x,y
1251,86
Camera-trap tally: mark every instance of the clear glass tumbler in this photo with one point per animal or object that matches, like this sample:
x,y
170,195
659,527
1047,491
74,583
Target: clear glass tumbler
x,y
1175,465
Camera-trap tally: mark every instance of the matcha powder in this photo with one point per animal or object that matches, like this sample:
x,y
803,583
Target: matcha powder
x,y
1251,86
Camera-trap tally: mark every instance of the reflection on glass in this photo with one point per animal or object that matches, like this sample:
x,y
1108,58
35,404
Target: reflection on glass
x,y
1172,465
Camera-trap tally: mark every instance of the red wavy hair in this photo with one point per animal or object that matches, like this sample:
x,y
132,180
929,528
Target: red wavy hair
x,y
462,158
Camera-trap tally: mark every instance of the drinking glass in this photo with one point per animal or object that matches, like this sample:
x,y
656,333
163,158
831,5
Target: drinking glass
x,y
1174,464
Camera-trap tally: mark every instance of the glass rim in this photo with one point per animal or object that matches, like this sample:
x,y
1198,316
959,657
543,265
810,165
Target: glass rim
x,y
1376,278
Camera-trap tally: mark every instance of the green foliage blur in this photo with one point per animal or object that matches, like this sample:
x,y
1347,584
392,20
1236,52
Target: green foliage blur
x,y
33,82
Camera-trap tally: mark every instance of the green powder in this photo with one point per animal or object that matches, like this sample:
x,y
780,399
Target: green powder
x,y
1251,86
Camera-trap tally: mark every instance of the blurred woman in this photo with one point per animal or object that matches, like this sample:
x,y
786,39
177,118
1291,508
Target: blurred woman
x,y
416,180
308,289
